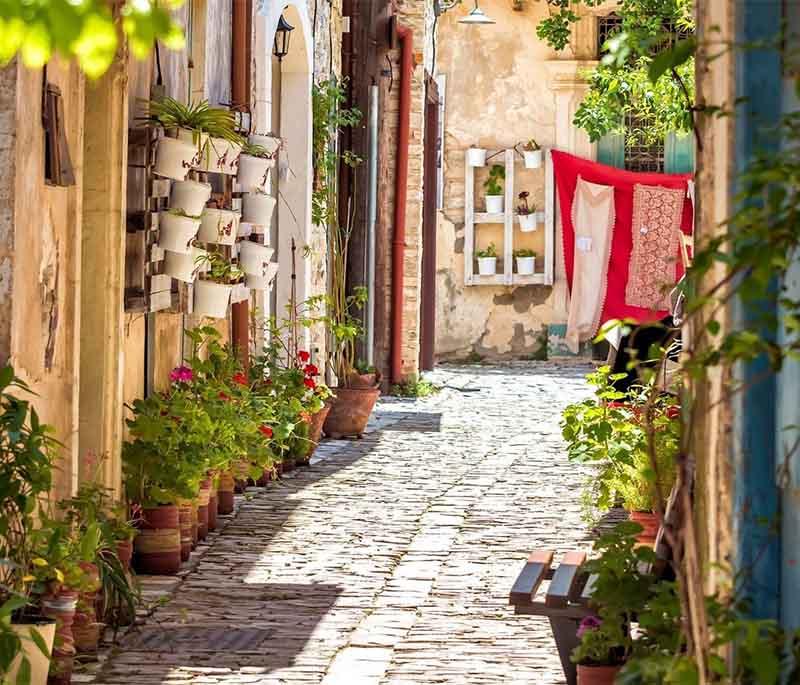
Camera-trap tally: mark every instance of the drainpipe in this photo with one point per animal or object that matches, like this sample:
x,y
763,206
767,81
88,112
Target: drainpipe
x,y
406,36
372,207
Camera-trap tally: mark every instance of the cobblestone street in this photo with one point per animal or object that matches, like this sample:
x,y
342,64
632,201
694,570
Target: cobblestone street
x,y
390,559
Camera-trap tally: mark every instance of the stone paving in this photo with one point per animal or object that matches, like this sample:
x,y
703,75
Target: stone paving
x,y
390,559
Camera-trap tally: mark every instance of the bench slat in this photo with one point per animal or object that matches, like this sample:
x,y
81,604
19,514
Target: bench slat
x,y
531,576
565,580
588,590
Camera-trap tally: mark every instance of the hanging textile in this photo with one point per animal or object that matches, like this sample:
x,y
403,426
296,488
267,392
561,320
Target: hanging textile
x,y
567,170
593,220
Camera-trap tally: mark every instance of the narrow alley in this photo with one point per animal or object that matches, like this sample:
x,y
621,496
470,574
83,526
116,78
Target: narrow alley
x,y
390,559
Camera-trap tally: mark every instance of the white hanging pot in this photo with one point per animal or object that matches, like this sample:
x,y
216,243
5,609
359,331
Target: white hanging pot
x,y
527,222
254,258
219,226
176,232
184,267
533,159
476,156
222,156
253,172
211,299
174,158
262,282
526,265
190,197
487,266
494,204
270,143
257,209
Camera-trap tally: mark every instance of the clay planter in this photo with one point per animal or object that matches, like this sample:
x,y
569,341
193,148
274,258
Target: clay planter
x,y
39,663
185,519
125,553
174,158
362,380
220,226
176,232
225,500
87,635
315,432
190,197
350,411
213,505
649,522
289,463
158,544
265,478
597,675
211,299
61,607
85,627
203,500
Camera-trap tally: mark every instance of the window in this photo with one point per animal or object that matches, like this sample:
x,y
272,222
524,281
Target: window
x,y
607,26
641,156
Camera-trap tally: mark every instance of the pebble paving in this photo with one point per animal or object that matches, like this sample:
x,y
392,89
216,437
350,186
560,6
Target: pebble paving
x,y
389,560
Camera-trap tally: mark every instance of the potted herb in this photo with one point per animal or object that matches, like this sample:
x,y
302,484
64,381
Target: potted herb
x,y
254,165
487,260
212,292
185,267
257,209
254,258
526,261
219,226
476,156
190,197
177,230
533,154
494,189
526,213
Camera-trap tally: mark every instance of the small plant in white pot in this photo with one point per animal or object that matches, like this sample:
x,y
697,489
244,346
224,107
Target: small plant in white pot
x,y
257,209
476,156
494,189
526,261
533,154
212,291
526,213
190,197
184,126
177,230
487,260
184,267
254,165
220,226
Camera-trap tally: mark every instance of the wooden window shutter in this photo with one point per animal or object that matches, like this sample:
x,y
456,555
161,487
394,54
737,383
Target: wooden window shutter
x,y
57,162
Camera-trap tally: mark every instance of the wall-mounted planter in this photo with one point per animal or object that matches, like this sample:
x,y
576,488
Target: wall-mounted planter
x,y
220,226
257,209
270,143
533,159
190,197
476,156
211,299
526,266
184,267
494,204
262,282
527,222
176,232
174,158
487,266
253,172
221,156
254,258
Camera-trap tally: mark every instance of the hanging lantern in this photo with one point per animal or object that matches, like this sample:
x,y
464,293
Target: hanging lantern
x,y
281,47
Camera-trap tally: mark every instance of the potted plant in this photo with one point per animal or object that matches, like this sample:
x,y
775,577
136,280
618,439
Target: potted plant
x,y
254,258
526,261
494,189
257,209
185,127
270,142
177,230
254,165
185,267
476,156
487,260
526,213
533,154
219,226
212,292
190,197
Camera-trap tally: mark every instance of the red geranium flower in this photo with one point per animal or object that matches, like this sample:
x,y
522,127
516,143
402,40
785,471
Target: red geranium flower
x,y
303,356
311,370
265,430
240,378
223,396
310,383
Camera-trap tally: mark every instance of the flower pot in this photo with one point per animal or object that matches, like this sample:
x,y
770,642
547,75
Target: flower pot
x,y
174,158
176,232
87,636
213,505
254,258
476,156
494,204
262,282
158,545
221,157
649,522
194,518
527,222
38,662
125,553
225,500
362,380
597,675
257,209
211,299
253,172
184,267
315,423
526,265
487,266
203,501
350,411
270,143
190,197
219,226
185,521
61,608
533,159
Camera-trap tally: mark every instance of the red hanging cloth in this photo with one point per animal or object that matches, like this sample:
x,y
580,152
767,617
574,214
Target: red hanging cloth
x,y
567,168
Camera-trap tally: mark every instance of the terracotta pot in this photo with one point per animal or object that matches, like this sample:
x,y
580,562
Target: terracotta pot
x,y
203,500
265,478
350,411
87,635
278,469
213,505
315,424
649,522
363,380
225,493
125,553
158,545
61,607
288,463
185,519
597,675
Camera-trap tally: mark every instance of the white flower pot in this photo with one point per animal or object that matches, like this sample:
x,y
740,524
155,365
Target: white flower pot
x,y
184,267
262,282
253,172
219,226
174,158
270,143
254,258
176,232
487,266
211,299
540,217
527,222
476,156
494,204
533,159
38,662
221,156
190,197
257,209
526,265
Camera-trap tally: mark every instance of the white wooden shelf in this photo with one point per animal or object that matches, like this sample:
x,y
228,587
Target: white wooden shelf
x,y
484,218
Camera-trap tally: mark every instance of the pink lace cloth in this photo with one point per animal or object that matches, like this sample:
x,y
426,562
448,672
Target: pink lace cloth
x,y
657,213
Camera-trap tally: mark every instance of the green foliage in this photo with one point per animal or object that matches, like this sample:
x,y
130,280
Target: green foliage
x,y
198,117
85,30
415,388
524,252
493,184
490,251
219,269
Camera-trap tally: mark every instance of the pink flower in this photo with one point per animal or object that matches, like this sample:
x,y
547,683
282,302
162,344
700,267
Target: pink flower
x,y
303,356
181,374
589,623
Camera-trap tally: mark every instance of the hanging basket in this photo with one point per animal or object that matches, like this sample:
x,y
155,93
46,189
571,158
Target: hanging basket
x,y
527,222
476,157
220,226
533,159
257,209
190,197
211,299
254,258
176,232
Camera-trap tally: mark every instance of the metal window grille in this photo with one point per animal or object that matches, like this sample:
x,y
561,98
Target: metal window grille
x,y
641,156
607,26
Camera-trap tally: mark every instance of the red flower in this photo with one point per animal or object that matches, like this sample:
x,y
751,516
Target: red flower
x,y
223,396
240,378
303,356
310,383
311,370
265,430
